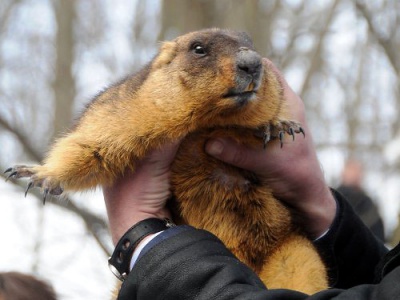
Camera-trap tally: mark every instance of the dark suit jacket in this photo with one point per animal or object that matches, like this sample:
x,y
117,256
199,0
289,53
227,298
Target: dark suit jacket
x,y
186,263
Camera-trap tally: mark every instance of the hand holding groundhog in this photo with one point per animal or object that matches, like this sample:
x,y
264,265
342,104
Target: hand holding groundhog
x,y
289,170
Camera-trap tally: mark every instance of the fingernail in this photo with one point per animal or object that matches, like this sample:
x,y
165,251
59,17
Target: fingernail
x,y
214,147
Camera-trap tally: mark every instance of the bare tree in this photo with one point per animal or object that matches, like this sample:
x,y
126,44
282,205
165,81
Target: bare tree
x,y
64,83
64,92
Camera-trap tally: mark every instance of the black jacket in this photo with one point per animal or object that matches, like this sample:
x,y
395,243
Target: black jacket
x,y
186,263
365,208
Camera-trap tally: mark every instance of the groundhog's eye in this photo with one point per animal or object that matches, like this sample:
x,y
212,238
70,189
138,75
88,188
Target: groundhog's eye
x,y
199,49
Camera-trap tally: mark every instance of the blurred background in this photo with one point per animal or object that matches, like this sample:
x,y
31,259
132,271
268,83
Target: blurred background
x,y
341,56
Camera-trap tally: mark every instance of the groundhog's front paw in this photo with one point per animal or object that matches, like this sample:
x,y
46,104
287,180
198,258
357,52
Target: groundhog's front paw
x,y
47,185
278,130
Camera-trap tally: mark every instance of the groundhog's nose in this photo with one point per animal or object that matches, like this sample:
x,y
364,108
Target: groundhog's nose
x,y
249,63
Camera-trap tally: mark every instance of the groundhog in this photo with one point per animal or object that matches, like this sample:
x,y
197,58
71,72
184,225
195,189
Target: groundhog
x,y
203,84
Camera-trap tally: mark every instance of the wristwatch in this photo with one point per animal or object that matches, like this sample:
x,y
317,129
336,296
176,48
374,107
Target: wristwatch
x,y
120,259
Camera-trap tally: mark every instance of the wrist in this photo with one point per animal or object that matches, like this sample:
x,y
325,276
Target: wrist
x,y
129,201
120,261
318,212
120,223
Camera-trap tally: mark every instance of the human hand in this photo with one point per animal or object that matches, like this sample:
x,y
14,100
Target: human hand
x,y
293,172
142,194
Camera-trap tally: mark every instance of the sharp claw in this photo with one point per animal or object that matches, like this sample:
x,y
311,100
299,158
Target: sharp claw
x,y
45,193
291,132
11,175
267,135
30,184
281,135
302,131
8,170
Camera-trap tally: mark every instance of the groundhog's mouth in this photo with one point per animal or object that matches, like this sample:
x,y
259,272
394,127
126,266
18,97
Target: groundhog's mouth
x,y
243,93
241,98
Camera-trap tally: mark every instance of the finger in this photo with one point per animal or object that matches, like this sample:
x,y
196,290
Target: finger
x,y
235,154
163,156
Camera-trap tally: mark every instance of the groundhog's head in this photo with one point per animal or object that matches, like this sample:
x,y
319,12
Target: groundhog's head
x,y
212,75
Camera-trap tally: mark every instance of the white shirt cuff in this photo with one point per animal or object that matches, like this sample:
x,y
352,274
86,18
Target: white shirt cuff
x,y
139,249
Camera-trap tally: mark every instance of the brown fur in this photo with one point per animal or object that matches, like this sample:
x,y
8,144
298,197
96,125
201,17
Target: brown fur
x,y
184,94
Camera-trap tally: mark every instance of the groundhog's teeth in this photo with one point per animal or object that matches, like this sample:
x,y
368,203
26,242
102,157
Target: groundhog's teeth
x,y
250,87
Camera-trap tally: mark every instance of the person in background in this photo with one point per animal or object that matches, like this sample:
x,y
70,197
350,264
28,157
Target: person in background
x,y
396,233
19,286
363,205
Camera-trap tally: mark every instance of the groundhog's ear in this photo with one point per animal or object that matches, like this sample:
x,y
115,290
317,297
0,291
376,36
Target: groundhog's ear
x,y
165,55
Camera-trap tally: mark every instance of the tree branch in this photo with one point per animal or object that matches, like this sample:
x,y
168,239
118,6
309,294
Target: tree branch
x,y
96,225
21,138
316,54
388,45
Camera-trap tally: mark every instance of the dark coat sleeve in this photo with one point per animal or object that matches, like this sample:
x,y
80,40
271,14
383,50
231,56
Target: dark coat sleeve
x,y
186,263
350,250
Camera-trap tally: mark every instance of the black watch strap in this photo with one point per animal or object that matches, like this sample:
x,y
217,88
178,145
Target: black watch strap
x,y
120,260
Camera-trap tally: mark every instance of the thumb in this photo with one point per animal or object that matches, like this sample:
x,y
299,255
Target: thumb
x,y
230,152
165,154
